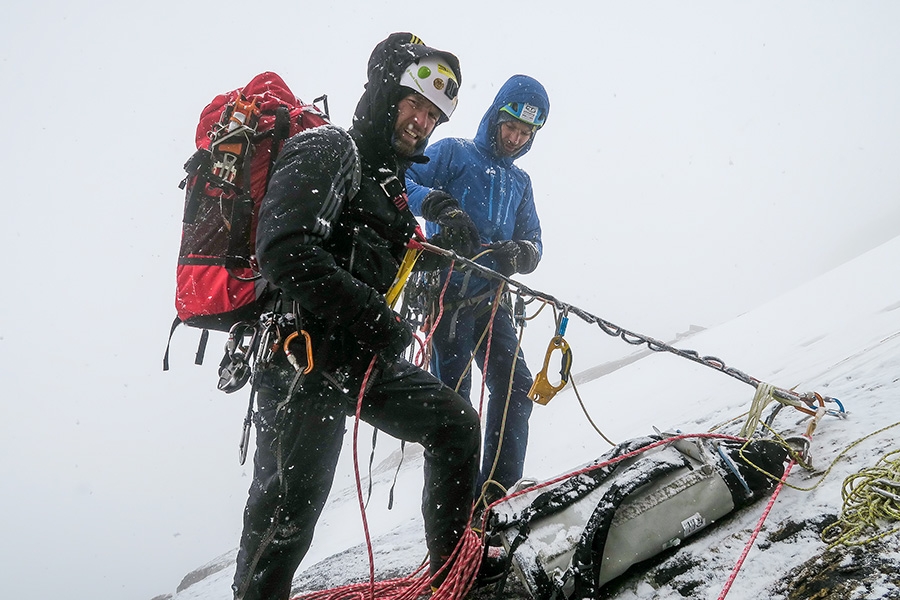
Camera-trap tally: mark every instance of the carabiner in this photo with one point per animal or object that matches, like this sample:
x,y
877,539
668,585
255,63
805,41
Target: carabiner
x,y
309,353
542,391
563,322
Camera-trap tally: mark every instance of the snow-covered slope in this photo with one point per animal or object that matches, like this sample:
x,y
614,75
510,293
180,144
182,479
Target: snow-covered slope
x,y
838,335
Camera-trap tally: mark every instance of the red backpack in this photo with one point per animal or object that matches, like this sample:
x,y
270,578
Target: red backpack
x,y
238,139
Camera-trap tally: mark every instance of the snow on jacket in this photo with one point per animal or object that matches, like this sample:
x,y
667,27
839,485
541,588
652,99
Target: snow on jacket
x,y
493,191
329,237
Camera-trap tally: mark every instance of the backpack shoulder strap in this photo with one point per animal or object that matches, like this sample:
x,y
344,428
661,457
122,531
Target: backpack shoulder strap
x,y
281,131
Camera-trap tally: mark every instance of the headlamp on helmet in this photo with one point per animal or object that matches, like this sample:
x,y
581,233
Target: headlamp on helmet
x,y
527,113
434,79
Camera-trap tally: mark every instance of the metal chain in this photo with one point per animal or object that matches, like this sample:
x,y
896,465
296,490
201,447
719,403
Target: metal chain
x,y
629,337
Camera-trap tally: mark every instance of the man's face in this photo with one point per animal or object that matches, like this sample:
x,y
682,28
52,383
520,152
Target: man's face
x,y
417,117
511,136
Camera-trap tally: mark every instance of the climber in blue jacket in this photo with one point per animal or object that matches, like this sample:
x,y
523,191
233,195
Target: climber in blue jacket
x,y
479,177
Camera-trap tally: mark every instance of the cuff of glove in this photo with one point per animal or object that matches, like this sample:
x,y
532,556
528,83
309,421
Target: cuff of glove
x,y
528,257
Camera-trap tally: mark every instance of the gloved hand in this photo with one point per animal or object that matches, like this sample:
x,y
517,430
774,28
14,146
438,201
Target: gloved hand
x,y
458,232
515,257
382,330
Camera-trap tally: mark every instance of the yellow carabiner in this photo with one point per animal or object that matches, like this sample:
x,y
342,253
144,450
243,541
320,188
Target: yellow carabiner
x,y
542,391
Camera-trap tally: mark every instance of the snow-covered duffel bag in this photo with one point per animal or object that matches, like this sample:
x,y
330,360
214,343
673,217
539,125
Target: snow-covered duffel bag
x,y
567,539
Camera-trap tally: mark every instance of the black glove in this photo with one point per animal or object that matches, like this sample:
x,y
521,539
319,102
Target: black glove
x,y
515,257
382,330
458,232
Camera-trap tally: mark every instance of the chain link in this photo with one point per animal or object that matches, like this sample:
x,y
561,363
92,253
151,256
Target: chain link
x,y
629,337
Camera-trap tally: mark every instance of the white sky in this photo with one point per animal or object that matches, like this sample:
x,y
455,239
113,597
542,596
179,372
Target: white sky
x,y
699,159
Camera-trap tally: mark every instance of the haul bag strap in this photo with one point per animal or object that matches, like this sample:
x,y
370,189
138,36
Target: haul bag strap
x,y
575,488
596,531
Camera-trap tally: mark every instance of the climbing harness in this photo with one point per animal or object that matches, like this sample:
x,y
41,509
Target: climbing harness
x,y
252,347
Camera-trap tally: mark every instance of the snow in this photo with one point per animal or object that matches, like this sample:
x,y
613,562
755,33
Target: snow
x,y
702,158
838,334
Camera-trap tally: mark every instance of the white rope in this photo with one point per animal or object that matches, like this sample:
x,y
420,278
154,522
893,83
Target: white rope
x,y
765,394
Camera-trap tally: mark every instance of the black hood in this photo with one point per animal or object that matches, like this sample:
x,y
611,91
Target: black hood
x,y
376,112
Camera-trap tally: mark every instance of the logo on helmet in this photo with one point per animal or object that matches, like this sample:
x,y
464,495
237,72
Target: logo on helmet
x,y
434,80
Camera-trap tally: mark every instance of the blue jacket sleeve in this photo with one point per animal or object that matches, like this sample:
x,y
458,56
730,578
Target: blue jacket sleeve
x,y
528,225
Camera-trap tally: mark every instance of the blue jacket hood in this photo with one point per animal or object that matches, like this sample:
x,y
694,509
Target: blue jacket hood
x,y
518,88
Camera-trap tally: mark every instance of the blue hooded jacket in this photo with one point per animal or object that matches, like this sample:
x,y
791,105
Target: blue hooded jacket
x,y
494,192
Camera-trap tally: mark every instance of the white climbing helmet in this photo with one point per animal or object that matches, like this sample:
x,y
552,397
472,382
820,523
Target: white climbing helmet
x,y
433,78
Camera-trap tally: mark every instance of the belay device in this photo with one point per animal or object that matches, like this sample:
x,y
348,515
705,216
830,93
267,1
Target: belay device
x,y
542,391
567,539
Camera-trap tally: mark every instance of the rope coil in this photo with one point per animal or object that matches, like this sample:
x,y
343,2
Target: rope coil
x,y
871,499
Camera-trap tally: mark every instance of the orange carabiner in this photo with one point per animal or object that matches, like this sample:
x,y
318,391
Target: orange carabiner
x,y
309,353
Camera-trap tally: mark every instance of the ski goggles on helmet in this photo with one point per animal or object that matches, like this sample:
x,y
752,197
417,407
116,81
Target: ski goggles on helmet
x,y
527,113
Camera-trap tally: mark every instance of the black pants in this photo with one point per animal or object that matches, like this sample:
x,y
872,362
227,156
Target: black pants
x,y
454,340
298,443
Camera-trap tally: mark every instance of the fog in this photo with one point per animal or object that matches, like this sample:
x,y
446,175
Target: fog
x,y
699,159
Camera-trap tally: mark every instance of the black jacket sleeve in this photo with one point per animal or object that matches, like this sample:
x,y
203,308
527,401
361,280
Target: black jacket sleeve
x,y
315,176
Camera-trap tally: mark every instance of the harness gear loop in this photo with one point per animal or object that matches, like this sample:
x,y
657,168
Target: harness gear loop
x,y
542,391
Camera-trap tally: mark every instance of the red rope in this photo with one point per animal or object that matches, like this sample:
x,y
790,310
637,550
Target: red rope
x,y
462,567
762,519
487,349
359,491
421,357
626,456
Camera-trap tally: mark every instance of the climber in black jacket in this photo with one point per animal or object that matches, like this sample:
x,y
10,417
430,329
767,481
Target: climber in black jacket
x,y
332,232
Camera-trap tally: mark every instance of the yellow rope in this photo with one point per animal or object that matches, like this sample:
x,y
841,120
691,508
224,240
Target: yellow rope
x,y
830,466
588,416
489,481
871,499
